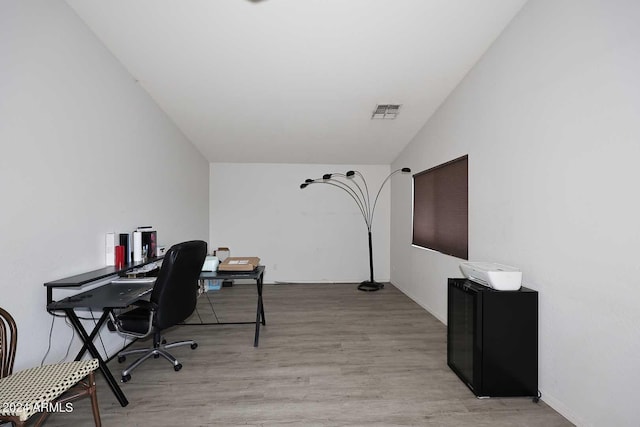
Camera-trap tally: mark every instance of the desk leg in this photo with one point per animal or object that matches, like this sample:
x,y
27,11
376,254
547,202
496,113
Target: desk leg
x,y
94,333
88,342
259,312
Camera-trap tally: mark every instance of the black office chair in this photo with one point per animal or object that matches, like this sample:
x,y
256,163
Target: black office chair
x,y
172,300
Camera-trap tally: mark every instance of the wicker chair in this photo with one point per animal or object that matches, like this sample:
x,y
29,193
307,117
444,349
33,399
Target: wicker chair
x,y
41,389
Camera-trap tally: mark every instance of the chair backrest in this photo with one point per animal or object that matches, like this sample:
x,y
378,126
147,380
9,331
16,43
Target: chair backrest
x,y
176,289
8,341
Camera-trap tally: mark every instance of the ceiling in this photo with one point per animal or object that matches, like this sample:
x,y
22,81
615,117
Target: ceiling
x,y
296,81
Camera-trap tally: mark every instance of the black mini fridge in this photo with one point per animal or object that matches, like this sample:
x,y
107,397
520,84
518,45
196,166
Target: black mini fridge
x,y
492,339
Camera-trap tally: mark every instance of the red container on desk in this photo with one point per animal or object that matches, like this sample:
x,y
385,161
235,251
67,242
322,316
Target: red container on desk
x,y
119,258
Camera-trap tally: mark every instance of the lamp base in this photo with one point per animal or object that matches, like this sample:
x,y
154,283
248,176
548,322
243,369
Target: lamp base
x,y
369,286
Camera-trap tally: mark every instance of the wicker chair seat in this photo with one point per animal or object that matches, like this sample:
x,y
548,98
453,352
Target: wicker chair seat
x,y
32,390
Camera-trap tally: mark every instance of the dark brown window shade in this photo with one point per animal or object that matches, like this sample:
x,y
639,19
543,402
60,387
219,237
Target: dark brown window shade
x,y
441,208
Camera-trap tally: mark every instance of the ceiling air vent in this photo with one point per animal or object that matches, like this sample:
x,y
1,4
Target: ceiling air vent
x,y
386,111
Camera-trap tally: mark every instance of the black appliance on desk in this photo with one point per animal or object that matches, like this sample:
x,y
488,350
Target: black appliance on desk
x,y
492,339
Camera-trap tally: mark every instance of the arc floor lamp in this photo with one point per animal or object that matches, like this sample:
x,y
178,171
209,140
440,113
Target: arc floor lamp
x,y
359,192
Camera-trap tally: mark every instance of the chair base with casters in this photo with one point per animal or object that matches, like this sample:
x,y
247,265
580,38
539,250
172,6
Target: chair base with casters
x,y
159,349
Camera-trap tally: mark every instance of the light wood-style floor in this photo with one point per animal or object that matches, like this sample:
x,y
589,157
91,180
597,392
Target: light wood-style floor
x,y
329,355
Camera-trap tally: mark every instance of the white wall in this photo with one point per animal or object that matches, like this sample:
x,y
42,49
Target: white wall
x,y
311,235
84,151
549,118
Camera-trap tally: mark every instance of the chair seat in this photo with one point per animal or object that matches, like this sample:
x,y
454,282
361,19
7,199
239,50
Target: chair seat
x,y
31,390
136,320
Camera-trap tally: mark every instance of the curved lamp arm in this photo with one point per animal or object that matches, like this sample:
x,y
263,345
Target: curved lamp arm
x,y
362,199
353,194
365,196
403,170
341,185
346,185
351,175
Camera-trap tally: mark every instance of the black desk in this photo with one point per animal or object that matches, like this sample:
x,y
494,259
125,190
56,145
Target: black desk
x,y
105,298
121,295
257,275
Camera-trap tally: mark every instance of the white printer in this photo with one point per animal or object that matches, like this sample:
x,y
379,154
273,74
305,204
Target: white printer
x,y
497,276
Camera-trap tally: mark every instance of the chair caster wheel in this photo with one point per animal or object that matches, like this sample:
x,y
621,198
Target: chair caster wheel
x,y
126,378
122,359
177,367
155,356
164,341
194,346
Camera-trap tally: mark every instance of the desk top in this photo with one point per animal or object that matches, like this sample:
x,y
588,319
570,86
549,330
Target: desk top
x,y
121,295
84,278
110,295
231,275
